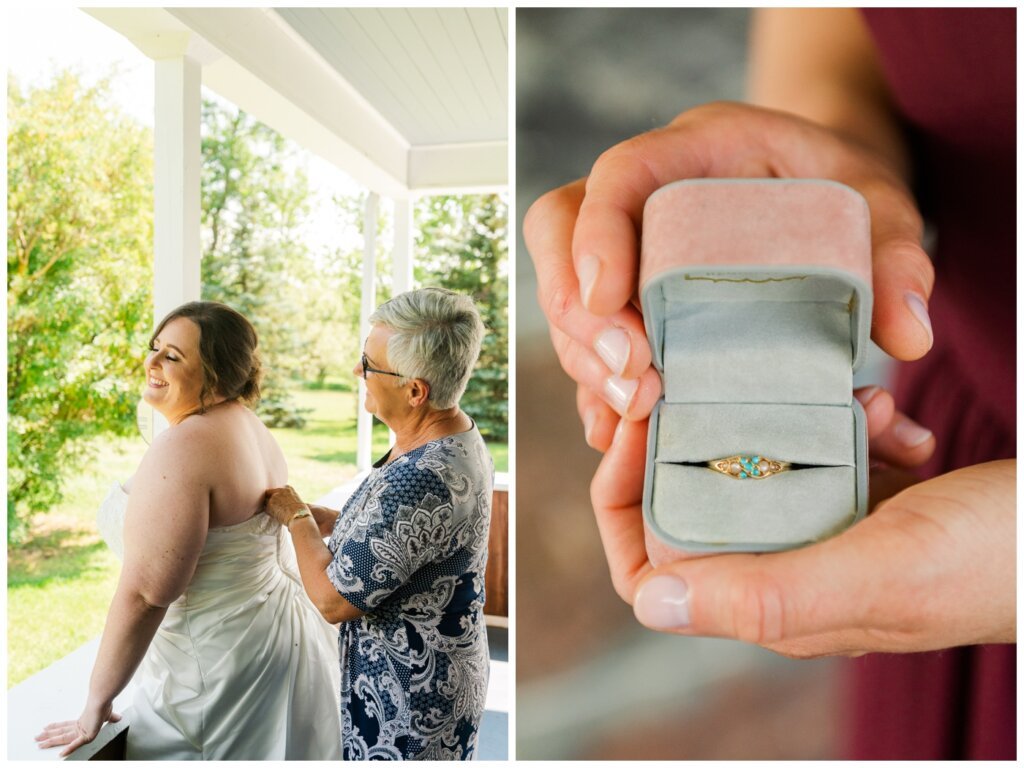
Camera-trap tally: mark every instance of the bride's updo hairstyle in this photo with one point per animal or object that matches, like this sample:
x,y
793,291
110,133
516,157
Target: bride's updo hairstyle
x,y
227,348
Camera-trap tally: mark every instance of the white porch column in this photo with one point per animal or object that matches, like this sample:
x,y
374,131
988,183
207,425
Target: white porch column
x,y
364,422
401,258
176,248
401,255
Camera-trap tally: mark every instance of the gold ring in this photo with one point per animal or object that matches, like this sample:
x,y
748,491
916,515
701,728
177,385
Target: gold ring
x,y
753,467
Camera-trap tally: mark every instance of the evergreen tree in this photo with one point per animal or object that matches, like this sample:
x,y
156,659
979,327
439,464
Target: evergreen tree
x,y
462,245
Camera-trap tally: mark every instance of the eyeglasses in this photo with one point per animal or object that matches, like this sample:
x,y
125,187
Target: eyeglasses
x,y
364,363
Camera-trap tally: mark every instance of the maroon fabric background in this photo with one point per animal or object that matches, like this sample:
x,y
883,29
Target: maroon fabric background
x,y
952,73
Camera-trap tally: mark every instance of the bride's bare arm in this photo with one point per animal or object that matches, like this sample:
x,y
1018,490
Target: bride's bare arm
x,y
165,529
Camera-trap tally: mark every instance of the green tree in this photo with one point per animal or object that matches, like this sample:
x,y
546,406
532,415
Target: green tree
x,y
462,245
255,202
79,275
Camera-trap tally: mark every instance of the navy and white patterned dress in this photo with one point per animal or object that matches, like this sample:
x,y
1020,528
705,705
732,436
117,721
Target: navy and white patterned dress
x,y
410,548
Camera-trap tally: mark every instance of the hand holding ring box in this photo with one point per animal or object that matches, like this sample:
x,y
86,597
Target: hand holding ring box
x,y
756,297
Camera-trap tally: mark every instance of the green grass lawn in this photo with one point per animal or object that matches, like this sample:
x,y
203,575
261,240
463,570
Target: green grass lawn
x,y
60,582
322,455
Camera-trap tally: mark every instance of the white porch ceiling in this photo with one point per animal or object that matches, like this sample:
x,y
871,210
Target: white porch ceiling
x,y
438,75
403,99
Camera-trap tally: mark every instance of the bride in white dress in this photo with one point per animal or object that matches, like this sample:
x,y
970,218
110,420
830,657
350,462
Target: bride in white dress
x,y
233,660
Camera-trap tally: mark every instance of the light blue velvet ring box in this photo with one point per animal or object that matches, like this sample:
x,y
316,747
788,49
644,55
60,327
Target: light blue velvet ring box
x,y
757,304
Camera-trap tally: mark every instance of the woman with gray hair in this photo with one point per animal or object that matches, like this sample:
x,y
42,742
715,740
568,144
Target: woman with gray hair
x,y
404,568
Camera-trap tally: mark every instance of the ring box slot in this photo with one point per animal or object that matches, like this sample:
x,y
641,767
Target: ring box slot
x,y
791,509
800,434
757,305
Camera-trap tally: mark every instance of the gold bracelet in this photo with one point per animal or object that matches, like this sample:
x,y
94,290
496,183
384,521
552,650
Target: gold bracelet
x,y
303,513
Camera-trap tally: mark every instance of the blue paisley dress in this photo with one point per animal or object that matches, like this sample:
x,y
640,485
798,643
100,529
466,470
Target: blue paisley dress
x,y
410,548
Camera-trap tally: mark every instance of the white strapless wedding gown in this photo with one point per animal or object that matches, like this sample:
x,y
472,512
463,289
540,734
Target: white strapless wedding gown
x,y
243,666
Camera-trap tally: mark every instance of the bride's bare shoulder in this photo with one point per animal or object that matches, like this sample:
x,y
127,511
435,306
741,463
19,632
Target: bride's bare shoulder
x,y
207,440
192,443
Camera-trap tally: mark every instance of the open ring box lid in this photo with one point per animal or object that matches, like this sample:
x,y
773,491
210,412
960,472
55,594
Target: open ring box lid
x,y
757,303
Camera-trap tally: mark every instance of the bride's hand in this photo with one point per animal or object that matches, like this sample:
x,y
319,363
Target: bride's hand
x,y
75,733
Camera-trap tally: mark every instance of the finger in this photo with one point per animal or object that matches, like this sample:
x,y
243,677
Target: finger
x,y
632,398
904,443
74,745
114,717
58,737
896,439
879,408
619,340
902,273
764,599
720,139
616,493
54,741
599,420
62,732
739,141
605,243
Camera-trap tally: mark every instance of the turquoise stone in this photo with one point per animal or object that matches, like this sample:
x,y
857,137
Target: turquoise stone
x,y
743,474
756,472
756,459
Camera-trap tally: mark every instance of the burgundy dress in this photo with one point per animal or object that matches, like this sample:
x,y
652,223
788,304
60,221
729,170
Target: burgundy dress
x,y
952,74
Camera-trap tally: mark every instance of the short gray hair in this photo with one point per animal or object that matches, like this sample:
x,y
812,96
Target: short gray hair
x,y
436,336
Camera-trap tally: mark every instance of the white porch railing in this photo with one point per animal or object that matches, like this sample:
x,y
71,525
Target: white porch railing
x,y
58,693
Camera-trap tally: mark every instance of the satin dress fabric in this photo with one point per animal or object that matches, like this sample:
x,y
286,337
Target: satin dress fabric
x,y
243,667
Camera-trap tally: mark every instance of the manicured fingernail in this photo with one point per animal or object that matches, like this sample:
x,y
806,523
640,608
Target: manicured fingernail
x,y
613,347
865,396
663,602
909,433
586,270
918,308
618,392
588,424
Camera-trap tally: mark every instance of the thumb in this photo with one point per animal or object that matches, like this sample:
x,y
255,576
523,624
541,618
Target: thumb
x,y
902,272
903,278
762,599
